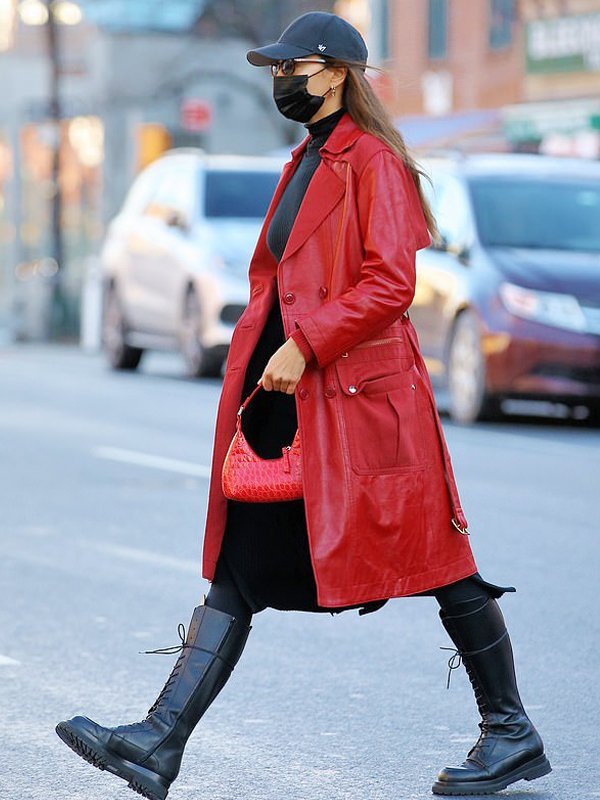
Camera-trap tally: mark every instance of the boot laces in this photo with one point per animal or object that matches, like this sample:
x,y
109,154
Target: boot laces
x,y
480,745
455,660
453,663
172,649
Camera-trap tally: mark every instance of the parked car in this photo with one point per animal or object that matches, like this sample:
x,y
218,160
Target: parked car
x,y
508,307
175,259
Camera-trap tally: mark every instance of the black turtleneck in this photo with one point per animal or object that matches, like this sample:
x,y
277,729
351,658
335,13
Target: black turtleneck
x,y
323,127
289,203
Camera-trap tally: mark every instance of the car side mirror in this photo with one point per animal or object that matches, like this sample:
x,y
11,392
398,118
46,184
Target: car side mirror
x,y
441,244
464,253
175,219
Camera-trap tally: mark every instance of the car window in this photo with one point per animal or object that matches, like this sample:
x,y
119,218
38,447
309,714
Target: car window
x,y
532,212
242,193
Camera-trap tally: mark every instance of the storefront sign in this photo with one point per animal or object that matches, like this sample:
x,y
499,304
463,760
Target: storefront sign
x,y
527,121
563,44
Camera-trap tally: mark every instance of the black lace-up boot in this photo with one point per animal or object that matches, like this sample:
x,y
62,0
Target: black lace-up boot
x,y
509,747
148,754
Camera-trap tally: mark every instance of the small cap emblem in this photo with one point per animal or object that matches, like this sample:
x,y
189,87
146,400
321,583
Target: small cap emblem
x,y
322,47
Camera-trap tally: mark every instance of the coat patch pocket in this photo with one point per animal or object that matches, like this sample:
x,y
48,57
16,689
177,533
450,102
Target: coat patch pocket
x,y
383,415
395,346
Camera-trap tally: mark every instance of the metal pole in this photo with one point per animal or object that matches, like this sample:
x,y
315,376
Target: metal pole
x,y
15,256
58,308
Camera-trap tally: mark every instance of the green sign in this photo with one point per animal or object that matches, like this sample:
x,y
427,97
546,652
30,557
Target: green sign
x,y
563,44
533,121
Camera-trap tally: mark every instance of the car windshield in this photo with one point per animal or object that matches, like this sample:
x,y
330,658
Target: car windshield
x,y
241,193
546,213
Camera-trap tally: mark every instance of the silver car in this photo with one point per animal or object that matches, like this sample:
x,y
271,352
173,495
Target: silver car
x,y
175,259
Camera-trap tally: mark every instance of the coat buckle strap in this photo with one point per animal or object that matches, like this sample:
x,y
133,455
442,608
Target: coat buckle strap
x,y
458,528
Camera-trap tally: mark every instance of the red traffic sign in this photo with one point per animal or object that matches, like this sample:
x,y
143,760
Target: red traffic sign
x,y
196,115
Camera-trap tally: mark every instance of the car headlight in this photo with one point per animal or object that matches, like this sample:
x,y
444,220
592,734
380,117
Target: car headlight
x,y
550,308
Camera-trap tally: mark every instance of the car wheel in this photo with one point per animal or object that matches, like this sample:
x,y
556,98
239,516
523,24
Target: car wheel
x,y
593,418
466,370
200,362
119,354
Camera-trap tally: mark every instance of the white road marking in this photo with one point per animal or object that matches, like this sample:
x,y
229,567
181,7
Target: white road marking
x,y
6,661
154,462
530,444
148,557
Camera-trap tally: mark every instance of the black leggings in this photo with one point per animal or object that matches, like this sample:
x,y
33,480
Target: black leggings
x,y
453,595
224,595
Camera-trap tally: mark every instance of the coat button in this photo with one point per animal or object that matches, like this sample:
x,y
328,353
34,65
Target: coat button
x,y
412,386
352,389
303,393
322,291
289,297
330,391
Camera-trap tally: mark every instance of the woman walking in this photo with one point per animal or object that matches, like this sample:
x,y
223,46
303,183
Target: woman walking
x,y
328,337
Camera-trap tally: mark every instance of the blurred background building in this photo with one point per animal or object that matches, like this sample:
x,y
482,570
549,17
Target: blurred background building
x,y
94,90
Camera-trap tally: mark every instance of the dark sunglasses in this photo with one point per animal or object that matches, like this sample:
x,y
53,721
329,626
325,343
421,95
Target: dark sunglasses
x,y
288,65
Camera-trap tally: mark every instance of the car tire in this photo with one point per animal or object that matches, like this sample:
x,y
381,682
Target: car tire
x,y
200,362
593,418
466,370
119,354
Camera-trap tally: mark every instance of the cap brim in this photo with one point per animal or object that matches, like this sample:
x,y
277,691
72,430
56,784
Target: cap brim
x,y
262,56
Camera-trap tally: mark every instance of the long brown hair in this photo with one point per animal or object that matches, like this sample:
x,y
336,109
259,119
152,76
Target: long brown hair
x,y
369,114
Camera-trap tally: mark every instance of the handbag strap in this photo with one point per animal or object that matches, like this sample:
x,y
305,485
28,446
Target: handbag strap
x,y
247,400
238,422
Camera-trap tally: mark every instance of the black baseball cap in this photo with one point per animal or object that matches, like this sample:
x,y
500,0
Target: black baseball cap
x,y
313,32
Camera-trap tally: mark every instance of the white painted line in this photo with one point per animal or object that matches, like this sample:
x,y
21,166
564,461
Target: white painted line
x,y
5,661
532,445
154,462
148,557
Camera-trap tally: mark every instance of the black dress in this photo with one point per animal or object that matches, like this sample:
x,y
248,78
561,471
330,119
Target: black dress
x,y
265,545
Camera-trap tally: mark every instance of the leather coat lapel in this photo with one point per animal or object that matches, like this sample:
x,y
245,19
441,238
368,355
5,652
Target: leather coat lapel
x,y
262,254
324,191
327,185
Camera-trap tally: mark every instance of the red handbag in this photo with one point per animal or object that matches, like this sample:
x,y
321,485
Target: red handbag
x,y
248,477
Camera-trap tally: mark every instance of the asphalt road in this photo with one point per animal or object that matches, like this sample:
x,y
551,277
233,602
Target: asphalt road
x,y
102,497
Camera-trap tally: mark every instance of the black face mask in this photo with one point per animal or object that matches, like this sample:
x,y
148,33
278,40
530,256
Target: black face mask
x,y
292,98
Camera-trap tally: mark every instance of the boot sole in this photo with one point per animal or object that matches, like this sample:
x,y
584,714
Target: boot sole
x,y
533,769
139,779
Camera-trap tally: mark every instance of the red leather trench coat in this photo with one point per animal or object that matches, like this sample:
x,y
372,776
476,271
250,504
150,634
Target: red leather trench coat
x,y
379,489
